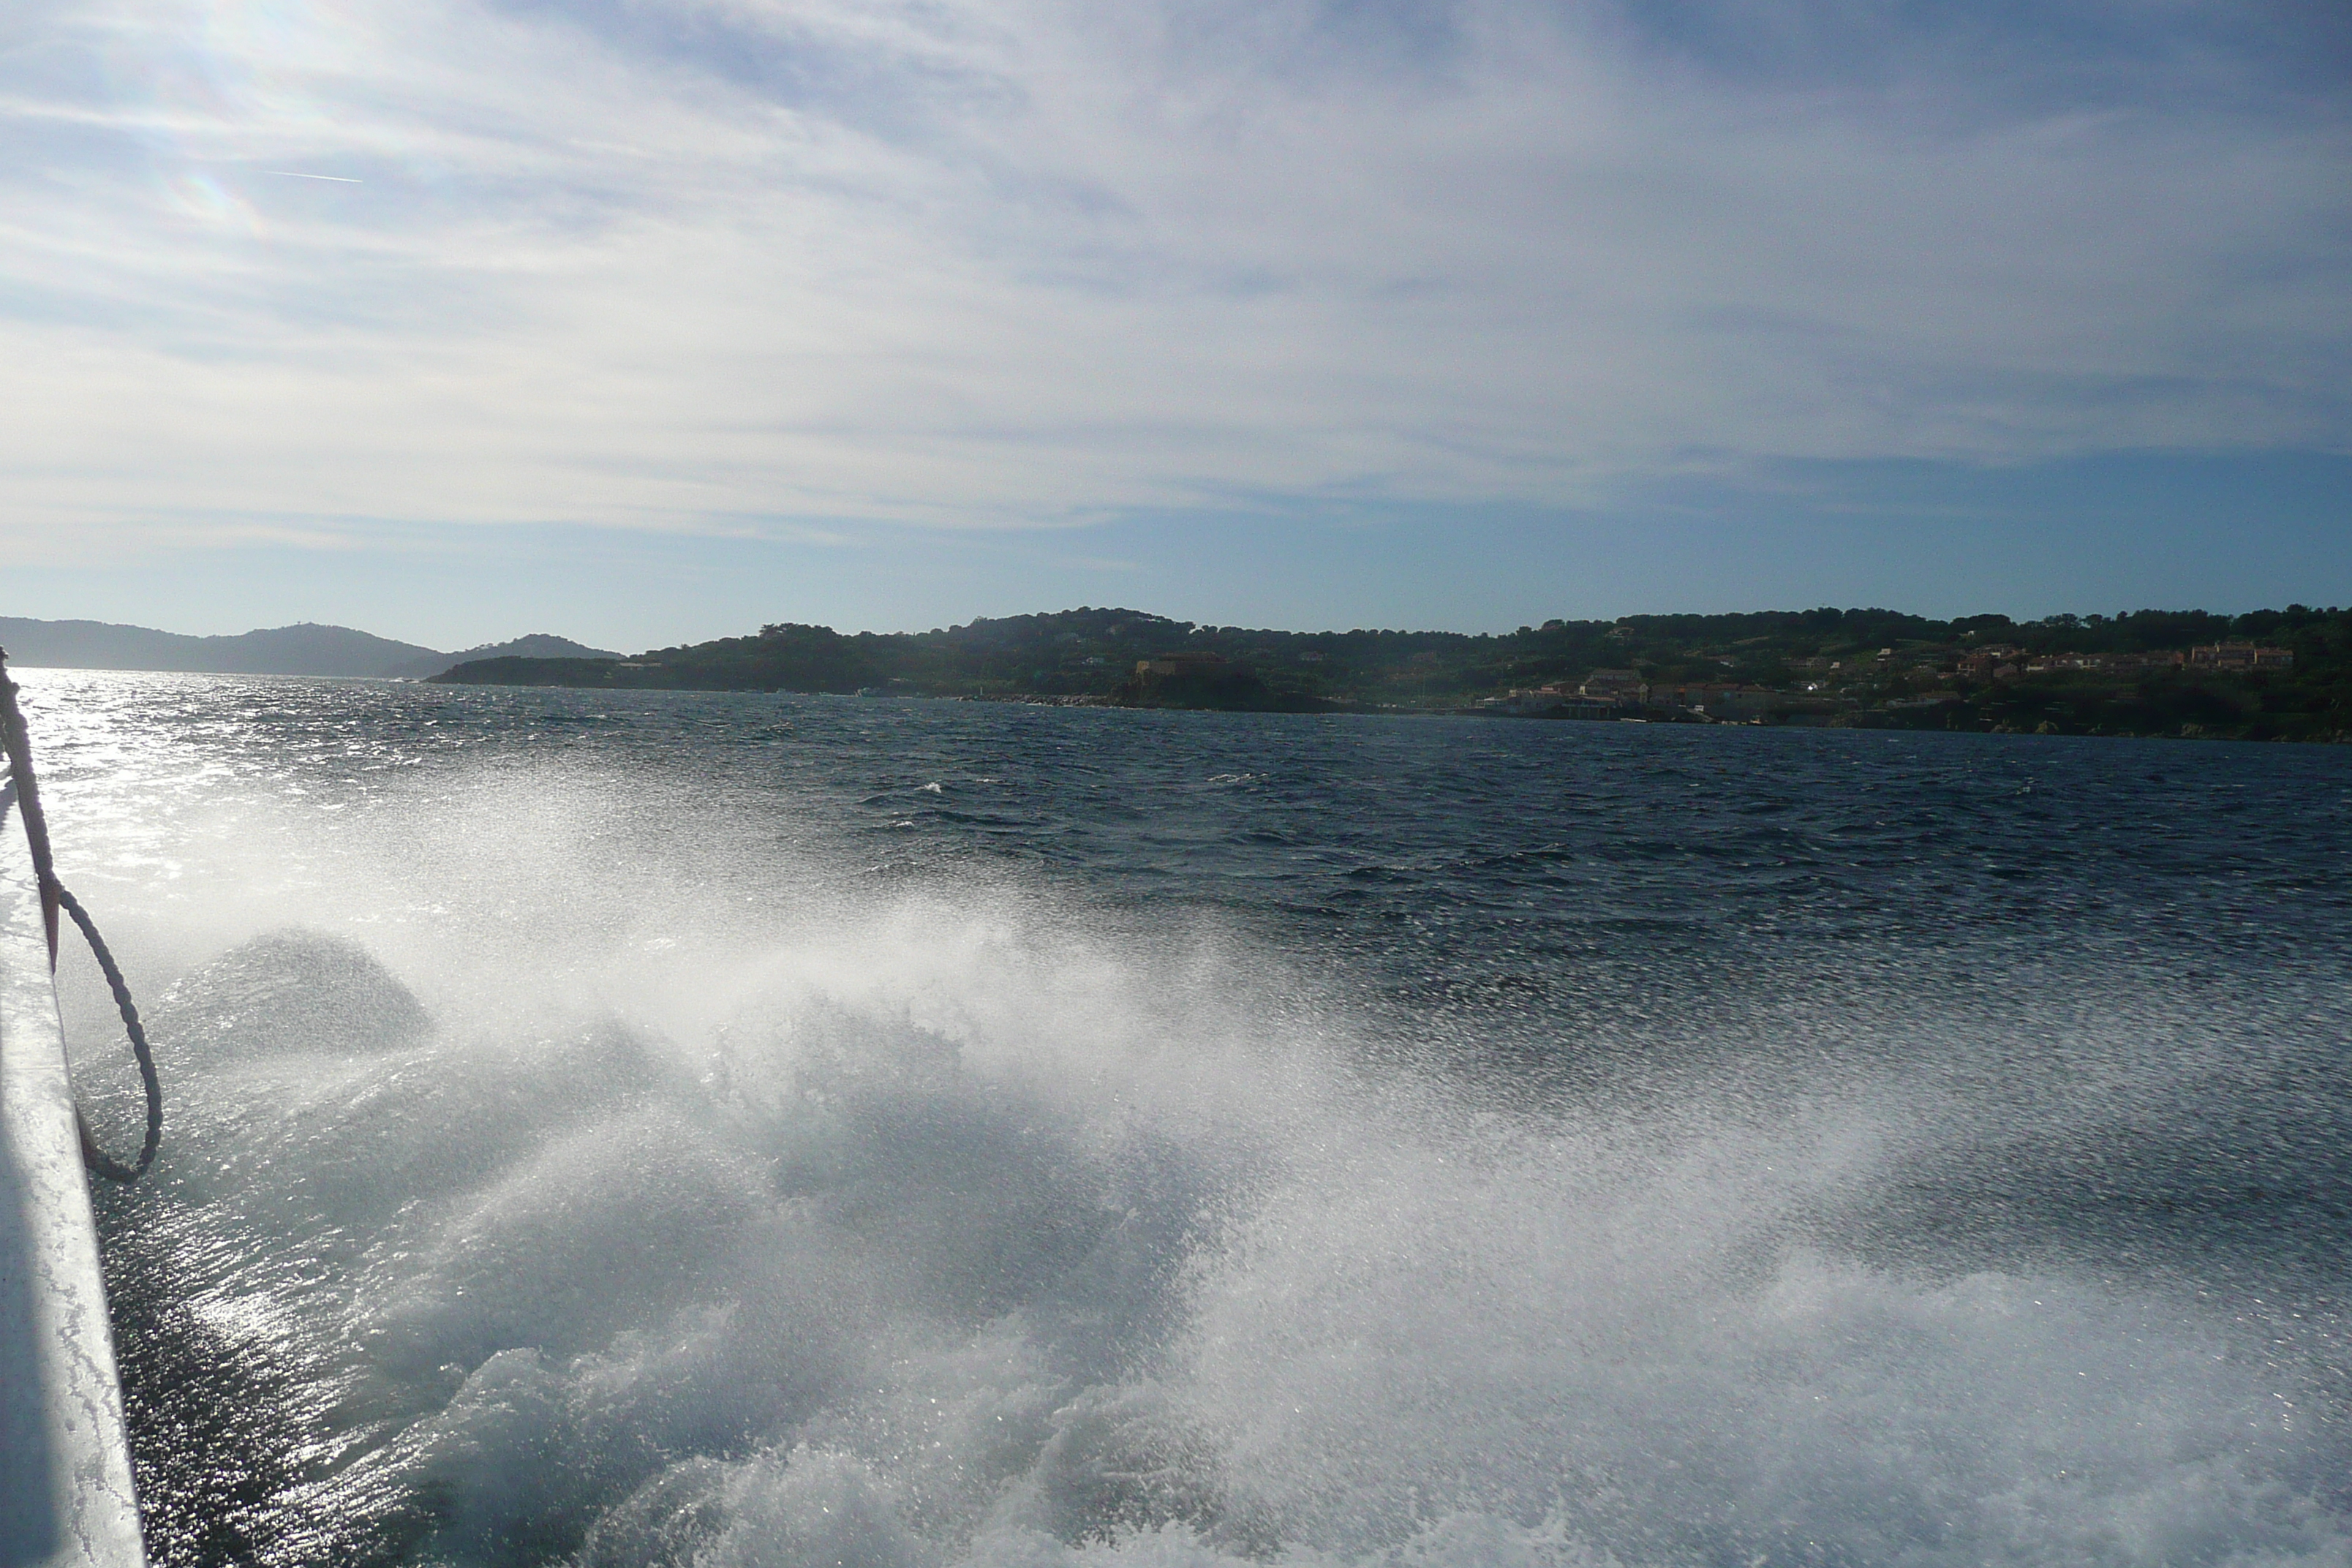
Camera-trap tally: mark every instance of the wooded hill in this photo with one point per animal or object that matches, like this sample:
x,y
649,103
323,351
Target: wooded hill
x,y
1093,654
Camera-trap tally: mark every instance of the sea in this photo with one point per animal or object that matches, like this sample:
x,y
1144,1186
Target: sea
x,y
668,1129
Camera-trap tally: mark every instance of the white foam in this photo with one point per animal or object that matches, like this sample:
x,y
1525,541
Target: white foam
x,y
855,1227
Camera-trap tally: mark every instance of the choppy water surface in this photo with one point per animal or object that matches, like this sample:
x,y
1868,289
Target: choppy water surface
x,y
675,1130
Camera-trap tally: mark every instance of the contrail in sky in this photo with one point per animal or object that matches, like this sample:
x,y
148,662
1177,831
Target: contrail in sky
x,y
292,174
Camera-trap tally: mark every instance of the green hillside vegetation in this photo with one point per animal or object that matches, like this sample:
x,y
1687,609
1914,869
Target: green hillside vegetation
x,y
1861,667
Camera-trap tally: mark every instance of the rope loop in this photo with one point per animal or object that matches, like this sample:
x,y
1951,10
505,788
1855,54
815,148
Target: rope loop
x,y
98,1159
23,792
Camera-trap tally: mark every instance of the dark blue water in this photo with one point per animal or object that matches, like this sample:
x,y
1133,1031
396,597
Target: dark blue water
x,y
665,1128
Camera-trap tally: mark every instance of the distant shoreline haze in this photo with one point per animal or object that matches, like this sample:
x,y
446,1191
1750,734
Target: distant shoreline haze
x,y
301,650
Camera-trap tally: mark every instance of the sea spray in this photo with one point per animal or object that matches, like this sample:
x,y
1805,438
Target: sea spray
x,y
870,1295
574,1167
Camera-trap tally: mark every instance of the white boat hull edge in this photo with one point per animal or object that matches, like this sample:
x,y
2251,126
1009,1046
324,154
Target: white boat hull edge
x,y
66,1498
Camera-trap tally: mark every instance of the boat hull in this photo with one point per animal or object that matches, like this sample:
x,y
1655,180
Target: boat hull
x,y
66,1496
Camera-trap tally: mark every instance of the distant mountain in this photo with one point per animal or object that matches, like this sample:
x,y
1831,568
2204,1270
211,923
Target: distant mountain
x,y
537,645
304,649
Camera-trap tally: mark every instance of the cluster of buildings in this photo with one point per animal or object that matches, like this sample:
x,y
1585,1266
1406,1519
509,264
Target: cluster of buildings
x,y
1609,693
1164,665
1612,693
2002,662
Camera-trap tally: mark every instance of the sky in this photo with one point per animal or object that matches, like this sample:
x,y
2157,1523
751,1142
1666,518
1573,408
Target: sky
x,y
644,322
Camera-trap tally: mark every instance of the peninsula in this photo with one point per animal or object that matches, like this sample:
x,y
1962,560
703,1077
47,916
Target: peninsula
x,y
2268,675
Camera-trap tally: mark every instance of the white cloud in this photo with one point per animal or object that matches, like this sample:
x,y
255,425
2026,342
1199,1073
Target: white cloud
x,y
680,264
